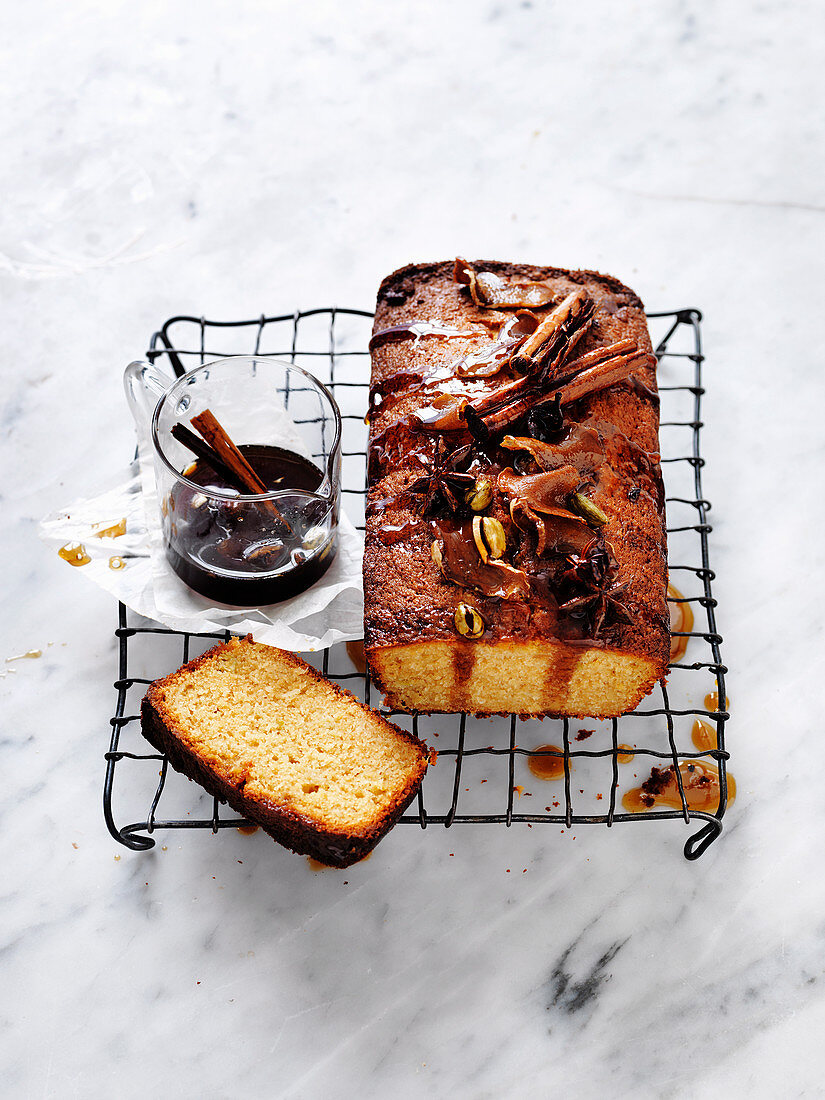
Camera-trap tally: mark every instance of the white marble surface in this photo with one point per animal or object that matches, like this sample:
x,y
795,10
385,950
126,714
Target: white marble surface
x,y
233,159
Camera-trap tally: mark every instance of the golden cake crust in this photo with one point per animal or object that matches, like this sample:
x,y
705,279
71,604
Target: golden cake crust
x,y
327,836
407,600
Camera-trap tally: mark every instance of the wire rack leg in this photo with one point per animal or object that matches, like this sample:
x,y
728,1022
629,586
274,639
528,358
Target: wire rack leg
x,y
701,841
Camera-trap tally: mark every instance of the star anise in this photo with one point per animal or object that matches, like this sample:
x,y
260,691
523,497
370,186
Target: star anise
x,y
588,569
589,587
445,484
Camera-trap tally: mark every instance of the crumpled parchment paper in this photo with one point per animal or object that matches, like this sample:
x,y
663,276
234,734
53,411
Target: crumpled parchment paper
x,y
330,611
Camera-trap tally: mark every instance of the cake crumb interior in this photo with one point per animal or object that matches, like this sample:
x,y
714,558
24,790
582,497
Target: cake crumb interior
x,y
285,737
513,677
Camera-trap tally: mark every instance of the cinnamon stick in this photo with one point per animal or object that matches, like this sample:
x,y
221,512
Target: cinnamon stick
x,y
600,376
598,355
204,452
593,378
505,395
209,427
557,335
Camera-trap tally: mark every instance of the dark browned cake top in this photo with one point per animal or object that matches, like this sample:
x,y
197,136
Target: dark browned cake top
x,y
575,484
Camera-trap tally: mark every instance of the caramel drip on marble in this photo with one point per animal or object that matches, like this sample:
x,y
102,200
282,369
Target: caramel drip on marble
x,y
464,659
700,781
712,701
547,767
625,754
703,736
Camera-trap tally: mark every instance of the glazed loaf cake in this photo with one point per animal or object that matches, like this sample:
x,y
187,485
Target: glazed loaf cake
x,y
515,539
260,728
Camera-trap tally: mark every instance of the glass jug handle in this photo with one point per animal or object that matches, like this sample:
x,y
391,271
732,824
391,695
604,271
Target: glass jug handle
x,y
145,384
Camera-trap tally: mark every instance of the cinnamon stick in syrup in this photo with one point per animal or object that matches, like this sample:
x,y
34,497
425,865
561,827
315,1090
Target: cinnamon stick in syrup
x,y
203,451
210,428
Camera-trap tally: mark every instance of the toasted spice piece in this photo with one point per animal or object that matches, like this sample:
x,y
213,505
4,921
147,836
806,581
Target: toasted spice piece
x,y
547,455
546,422
598,603
481,494
445,485
537,498
468,621
553,340
187,438
544,492
491,359
492,292
460,563
444,413
477,428
591,512
591,567
602,375
489,537
556,336
514,400
215,435
598,355
591,586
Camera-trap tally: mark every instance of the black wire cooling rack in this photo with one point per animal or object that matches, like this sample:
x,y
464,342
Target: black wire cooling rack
x,y
482,773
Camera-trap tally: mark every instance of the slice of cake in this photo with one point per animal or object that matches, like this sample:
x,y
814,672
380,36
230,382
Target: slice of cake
x,y
260,728
515,536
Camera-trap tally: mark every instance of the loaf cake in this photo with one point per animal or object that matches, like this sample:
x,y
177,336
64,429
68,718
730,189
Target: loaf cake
x,y
515,556
260,728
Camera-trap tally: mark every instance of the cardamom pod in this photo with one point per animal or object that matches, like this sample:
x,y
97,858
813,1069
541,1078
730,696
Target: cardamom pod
x,y
590,511
489,537
468,621
480,495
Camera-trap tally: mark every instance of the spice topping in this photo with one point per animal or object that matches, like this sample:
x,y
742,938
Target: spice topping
x,y
505,441
445,485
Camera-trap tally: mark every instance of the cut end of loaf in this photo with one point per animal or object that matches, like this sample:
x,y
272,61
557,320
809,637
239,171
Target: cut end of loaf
x,y
532,678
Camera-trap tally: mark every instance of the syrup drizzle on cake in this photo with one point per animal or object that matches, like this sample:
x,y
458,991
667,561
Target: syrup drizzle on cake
x,y
526,411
